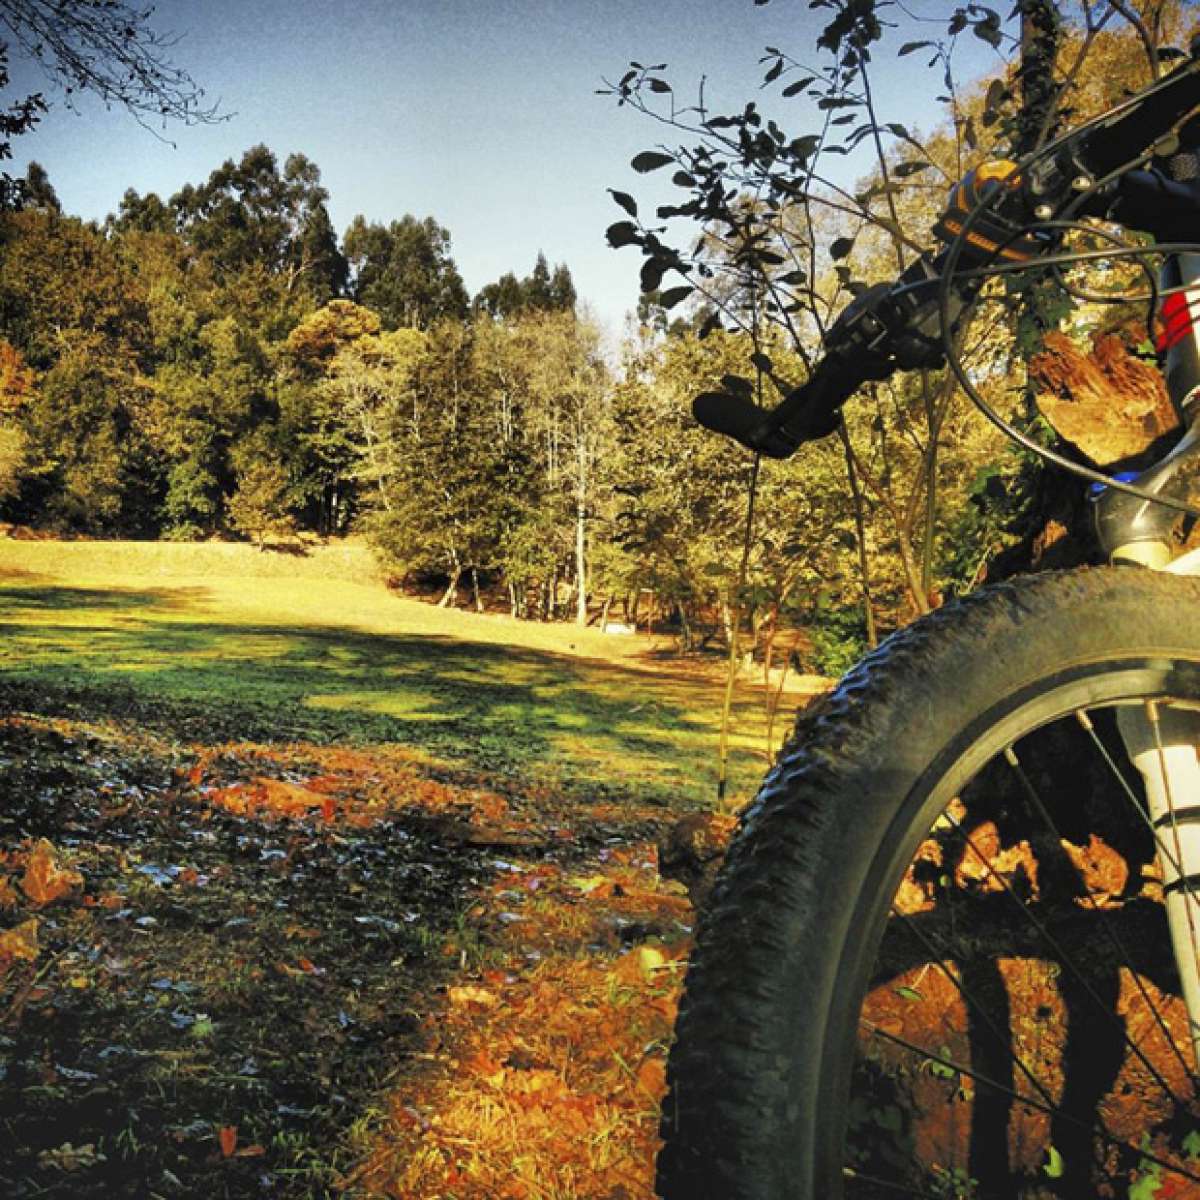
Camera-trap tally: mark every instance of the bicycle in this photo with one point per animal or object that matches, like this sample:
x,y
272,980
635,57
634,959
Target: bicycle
x,y
900,986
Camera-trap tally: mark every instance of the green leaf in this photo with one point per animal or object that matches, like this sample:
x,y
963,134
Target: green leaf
x,y
683,179
909,47
840,247
625,200
908,993
1054,1166
659,85
650,160
800,85
988,30
673,296
653,270
802,147
623,233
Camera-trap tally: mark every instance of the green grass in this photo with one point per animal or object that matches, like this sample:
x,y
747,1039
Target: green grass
x,y
222,654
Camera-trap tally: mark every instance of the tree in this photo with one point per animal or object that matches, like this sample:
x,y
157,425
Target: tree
x,y
250,214
764,240
107,48
144,214
259,507
540,291
36,190
404,272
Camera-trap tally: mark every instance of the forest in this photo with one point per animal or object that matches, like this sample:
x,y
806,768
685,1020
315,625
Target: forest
x,y
345,853
222,364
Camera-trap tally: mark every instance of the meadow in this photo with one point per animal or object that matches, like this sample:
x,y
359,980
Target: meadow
x,y
309,889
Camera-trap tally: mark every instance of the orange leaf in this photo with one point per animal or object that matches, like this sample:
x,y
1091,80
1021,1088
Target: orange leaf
x,y
21,942
652,1077
227,1135
44,880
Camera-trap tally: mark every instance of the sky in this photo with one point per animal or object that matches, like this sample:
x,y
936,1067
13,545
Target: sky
x,y
480,113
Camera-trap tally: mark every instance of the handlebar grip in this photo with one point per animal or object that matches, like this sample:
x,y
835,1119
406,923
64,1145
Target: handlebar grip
x,y
806,413
1133,131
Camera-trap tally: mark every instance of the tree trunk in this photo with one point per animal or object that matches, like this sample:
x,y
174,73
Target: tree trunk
x,y
580,565
581,464
475,590
860,530
451,592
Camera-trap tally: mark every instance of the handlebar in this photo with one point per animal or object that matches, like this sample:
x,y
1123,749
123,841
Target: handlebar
x,y
805,414
906,324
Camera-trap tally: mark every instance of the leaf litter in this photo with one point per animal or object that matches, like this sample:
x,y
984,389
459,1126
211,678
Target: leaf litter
x,y
316,970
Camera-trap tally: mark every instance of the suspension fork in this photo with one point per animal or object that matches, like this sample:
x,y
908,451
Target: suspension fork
x,y
1160,739
1161,742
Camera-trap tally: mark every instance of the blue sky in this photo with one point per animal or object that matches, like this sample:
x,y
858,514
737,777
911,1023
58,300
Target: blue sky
x,y
482,115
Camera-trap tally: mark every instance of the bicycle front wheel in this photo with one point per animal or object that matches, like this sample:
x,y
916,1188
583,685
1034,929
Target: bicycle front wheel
x,y
937,961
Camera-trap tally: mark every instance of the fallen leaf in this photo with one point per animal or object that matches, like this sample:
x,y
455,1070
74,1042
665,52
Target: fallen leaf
x,y
21,942
589,885
652,1077
71,1158
44,880
470,994
227,1135
640,965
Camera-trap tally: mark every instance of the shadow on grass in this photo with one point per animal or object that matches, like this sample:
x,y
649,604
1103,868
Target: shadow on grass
x,y
225,973
65,599
502,709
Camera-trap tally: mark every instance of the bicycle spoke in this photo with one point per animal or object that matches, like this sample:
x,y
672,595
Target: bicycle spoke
x,y
888,1185
1049,1109
935,941
1066,959
1035,799
1001,1037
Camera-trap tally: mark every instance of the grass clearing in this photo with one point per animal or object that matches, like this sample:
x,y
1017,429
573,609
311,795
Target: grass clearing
x,y
307,890
285,657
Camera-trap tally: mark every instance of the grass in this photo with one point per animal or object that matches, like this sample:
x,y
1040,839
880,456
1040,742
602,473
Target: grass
x,y
360,891
205,642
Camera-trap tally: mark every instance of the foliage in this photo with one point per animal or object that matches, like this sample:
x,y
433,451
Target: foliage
x,y
259,506
106,48
540,291
404,272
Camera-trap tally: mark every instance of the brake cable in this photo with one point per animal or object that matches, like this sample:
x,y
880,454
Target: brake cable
x,y
954,361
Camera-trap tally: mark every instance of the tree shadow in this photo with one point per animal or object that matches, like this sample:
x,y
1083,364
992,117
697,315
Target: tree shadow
x,y
501,707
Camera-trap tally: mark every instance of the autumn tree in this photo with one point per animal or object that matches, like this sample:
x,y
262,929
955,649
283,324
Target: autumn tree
x,y
260,506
